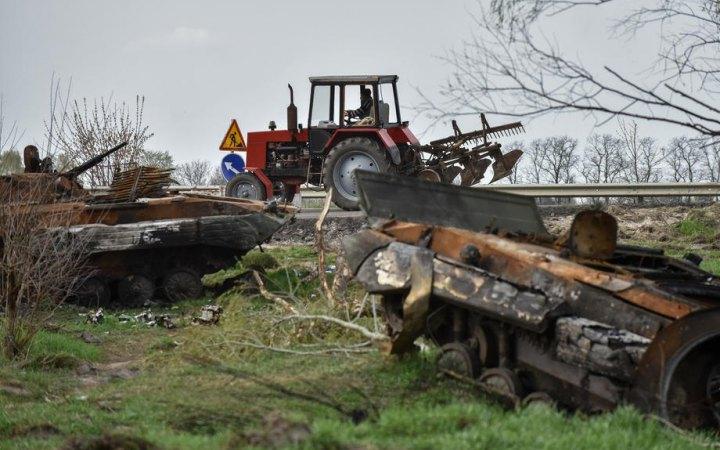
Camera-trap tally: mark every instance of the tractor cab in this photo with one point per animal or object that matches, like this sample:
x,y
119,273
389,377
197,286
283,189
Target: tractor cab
x,y
335,99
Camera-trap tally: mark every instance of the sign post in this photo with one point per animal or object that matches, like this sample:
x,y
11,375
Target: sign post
x,y
233,164
233,139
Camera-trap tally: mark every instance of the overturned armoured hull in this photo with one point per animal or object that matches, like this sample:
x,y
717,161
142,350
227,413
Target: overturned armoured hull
x,y
577,320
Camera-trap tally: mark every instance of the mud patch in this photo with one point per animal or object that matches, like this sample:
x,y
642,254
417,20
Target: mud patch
x,y
275,432
42,431
97,374
109,442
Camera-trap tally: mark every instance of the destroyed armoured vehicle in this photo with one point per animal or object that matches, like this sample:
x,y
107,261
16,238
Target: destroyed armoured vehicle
x,y
578,320
142,241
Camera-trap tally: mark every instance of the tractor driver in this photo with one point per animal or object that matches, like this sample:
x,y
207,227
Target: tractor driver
x,y
366,106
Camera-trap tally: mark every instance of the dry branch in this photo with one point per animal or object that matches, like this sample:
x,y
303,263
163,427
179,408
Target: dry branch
x,y
320,246
270,296
373,336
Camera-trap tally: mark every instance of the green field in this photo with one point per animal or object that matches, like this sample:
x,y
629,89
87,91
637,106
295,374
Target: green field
x,y
210,387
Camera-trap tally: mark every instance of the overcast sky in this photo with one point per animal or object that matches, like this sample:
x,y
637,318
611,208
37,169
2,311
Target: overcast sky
x,y
201,63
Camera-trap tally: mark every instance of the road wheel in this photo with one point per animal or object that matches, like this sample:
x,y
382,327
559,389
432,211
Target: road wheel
x,y
503,382
94,292
182,284
459,359
539,398
135,290
246,185
342,161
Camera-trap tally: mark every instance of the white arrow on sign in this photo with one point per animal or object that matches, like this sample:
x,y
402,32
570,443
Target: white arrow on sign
x,y
229,166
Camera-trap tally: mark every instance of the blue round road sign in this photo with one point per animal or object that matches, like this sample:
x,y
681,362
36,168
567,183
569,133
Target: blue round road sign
x,y
231,165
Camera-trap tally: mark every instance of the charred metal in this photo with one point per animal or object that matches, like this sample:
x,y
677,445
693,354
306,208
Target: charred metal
x,y
578,318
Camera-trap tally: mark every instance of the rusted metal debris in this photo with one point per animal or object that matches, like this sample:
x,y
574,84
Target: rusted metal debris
x,y
580,319
95,317
135,183
209,315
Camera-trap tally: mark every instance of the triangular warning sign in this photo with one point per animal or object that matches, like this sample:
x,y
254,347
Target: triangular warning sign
x,y
233,139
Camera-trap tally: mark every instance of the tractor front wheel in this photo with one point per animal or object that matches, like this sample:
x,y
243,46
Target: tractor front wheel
x,y
343,160
246,185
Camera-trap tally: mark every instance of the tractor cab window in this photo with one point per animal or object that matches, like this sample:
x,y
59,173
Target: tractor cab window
x,y
387,110
324,107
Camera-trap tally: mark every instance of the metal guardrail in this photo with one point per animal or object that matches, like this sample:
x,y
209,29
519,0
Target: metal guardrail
x,y
593,190
213,190
538,190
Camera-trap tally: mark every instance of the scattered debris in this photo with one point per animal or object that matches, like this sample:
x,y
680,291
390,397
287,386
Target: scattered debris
x,y
582,318
95,317
124,318
209,315
152,320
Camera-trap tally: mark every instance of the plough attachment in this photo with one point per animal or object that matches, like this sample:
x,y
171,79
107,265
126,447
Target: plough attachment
x,y
577,320
453,156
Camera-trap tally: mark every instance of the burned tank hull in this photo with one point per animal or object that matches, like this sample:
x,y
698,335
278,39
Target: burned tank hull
x,y
578,320
161,247
137,240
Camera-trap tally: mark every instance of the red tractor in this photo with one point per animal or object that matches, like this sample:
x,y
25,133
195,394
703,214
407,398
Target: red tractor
x,y
338,141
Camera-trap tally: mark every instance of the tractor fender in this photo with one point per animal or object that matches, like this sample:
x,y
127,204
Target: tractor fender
x,y
381,135
264,180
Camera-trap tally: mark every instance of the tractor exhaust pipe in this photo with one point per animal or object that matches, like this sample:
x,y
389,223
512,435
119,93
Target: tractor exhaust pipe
x,y
292,122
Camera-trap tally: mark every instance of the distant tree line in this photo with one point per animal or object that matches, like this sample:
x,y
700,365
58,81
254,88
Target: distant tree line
x,y
624,157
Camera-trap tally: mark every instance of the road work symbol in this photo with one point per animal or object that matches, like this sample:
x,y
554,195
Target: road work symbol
x,y
233,139
231,165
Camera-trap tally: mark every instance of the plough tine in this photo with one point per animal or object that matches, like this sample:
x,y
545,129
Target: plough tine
x,y
503,165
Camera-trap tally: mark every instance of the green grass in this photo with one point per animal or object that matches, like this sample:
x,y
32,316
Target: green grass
x,y
182,400
60,350
694,228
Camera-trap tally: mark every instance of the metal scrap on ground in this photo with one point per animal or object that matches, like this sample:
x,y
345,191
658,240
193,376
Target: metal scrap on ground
x,y
579,319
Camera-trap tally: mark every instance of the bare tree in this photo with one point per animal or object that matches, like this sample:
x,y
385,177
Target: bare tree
x,y
90,128
156,158
560,159
10,162
686,156
711,162
642,156
602,160
41,265
9,137
58,114
534,158
217,178
505,69
194,173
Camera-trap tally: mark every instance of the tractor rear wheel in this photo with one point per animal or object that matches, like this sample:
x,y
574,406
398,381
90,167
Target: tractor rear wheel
x,y
246,185
342,161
